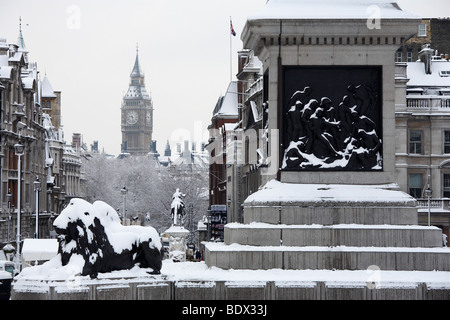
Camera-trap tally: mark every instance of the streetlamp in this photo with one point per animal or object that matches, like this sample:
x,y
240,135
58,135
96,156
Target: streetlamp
x,y
124,195
37,189
9,197
19,151
428,194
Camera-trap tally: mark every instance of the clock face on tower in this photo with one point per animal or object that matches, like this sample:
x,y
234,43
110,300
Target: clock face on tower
x,y
132,117
149,119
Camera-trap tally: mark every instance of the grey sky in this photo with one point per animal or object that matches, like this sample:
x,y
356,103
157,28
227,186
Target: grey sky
x,y
87,49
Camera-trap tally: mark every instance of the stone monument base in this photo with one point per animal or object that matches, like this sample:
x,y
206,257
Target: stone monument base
x,y
330,227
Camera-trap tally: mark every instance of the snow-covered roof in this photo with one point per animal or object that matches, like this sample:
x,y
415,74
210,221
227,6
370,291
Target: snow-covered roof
x,y
3,44
418,77
253,64
3,59
47,90
329,9
28,83
200,160
137,92
16,57
230,126
228,104
5,72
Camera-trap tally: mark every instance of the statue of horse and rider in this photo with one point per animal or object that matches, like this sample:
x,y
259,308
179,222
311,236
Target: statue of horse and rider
x,y
177,208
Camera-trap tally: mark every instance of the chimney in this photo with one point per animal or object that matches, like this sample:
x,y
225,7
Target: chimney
x,y
76,140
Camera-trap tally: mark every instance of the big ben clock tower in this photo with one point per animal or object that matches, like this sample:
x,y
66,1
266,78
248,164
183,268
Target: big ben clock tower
x,y
137,114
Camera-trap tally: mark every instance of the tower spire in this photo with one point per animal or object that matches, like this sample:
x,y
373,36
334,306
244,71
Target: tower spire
x,y
20,41
137,72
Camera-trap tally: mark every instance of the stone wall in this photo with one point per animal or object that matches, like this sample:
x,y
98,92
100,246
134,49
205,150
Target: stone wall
x,y
229,290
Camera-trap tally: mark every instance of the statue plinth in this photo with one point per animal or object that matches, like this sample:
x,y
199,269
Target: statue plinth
x,y
177,243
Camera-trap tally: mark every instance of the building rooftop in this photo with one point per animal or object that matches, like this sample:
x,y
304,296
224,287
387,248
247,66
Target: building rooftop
x,y
329,9
439,77
47,89
228,104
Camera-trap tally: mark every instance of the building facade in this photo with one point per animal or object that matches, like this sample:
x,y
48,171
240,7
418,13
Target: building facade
x,y
247,143
31,172
223,123
433,32
423,135
137,115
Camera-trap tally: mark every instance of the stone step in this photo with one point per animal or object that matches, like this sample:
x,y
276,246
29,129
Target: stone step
x,y
262,234
238,256
331,214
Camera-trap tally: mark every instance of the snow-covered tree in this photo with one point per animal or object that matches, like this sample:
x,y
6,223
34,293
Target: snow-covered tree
x,y
150,189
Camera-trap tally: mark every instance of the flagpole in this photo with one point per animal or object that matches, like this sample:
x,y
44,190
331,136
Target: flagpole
x,y
231,52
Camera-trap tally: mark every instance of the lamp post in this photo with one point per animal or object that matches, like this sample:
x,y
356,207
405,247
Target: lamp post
x,y
19,151
124,195
428,194
9,197
37,189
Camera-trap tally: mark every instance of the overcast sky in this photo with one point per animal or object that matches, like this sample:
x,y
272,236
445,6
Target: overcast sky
x,y
87,49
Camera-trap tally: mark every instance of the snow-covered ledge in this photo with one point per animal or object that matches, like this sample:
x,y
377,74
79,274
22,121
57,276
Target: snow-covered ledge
x,y
306,195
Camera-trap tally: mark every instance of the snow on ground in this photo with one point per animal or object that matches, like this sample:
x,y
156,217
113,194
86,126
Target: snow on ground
x,y
190,271
199,271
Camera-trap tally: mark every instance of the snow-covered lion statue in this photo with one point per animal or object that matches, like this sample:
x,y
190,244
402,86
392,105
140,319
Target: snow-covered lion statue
x,y
94,232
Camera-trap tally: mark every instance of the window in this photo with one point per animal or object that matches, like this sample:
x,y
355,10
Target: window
x,y
444,73
446,186
415,185
399,57
422,30
447,142
409,56
415,142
